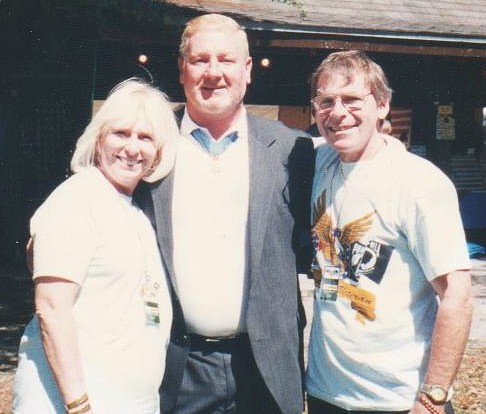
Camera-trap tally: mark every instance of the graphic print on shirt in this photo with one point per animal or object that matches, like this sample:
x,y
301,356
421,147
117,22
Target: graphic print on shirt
x,y
342,259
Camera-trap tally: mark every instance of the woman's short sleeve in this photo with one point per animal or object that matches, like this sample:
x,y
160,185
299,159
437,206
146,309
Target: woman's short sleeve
x,y
63,233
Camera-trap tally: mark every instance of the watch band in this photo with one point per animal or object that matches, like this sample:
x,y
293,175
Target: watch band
x,y
436,393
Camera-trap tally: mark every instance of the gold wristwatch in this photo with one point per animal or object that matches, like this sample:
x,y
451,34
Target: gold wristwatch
x,y
436,393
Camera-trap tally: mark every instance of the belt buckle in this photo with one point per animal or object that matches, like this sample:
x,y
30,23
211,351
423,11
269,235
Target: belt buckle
x,y
212,340
215,339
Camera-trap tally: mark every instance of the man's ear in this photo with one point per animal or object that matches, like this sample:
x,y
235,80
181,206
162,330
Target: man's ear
x,y
180,65
383,110
248,67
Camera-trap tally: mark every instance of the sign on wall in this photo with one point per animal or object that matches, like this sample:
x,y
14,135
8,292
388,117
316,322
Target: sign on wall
x,y
445,125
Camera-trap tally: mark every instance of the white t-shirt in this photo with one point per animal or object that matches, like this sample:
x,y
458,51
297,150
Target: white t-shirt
x,y
384,228
88,233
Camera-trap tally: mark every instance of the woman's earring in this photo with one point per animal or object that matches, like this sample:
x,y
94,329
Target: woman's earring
x,y
151,169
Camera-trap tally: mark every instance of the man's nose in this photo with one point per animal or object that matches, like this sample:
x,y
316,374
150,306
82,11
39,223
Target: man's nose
x,y
337,110
213,68
337,107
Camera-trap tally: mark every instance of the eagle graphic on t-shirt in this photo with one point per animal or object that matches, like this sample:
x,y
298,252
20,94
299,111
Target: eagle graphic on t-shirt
x,y
344,246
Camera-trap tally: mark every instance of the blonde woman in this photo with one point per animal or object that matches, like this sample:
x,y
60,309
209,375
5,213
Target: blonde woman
x,y
98,339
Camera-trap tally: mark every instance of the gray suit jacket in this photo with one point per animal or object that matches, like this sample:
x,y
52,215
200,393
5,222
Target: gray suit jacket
x,y
281,167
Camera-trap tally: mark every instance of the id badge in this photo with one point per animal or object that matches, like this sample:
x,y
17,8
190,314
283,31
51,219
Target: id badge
x,y
331,276
152,315
151,305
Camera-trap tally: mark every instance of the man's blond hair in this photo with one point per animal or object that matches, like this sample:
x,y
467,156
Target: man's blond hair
x,y
208,22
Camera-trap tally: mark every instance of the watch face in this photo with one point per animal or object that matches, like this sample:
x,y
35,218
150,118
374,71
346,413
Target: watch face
x,y
438,394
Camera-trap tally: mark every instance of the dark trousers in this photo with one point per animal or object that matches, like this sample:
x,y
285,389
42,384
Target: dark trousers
x,y
316,406
222,377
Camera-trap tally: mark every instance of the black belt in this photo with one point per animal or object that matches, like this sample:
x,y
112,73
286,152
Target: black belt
x,y
216,342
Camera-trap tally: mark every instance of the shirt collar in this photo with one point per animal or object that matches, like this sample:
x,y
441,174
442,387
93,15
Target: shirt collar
x,y
240,125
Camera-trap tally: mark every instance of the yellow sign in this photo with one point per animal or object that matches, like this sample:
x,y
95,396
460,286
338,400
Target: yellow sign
x,y
444,110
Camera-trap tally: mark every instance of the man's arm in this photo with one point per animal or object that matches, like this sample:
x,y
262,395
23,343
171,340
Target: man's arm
x,y
451,330
29,254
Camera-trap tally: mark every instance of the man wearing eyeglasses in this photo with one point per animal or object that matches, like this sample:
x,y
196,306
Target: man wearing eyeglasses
x,y
393,305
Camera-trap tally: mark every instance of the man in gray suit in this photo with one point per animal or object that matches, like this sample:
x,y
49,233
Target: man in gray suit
x,y
230,220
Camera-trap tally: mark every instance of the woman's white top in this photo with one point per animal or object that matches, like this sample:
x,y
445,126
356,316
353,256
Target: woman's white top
x,y
88,233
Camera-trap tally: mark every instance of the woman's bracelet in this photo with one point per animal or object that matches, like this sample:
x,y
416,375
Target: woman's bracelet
x,y
83,409
78,406
431,408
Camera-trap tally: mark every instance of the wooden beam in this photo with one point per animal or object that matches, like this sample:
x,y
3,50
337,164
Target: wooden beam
x,y
320,44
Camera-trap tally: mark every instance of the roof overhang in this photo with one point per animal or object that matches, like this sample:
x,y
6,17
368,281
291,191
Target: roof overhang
x,y
420,27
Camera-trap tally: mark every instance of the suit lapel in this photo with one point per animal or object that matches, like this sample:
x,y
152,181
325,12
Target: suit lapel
x,y
162,200
262,176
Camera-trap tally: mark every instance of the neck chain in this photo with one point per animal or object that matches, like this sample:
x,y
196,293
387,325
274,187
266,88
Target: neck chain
x,y
149,285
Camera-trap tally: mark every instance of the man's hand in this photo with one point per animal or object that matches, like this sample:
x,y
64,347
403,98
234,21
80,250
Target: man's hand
x,y
419,408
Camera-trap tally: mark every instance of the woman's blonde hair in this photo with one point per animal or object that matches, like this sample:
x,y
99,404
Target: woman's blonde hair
x,y
128,102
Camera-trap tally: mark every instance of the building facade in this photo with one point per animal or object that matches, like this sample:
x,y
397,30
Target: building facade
x,y
58,57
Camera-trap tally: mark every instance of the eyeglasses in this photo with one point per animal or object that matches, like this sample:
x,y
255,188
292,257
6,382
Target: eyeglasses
x,y
323,104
